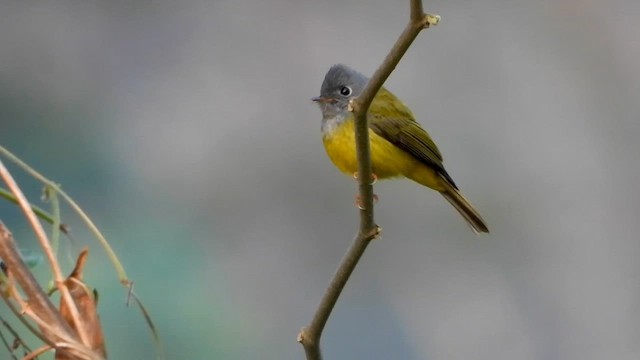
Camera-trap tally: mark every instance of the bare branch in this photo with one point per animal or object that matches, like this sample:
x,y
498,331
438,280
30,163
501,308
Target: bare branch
x,y
416,10
309,336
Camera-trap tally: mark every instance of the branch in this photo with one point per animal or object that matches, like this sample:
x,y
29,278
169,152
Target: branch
x,y
309,336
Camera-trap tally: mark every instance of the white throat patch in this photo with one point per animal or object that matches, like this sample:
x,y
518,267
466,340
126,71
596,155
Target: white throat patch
x,y
329,125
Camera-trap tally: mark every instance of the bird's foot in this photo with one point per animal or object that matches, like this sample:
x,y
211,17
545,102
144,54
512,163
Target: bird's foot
x,y
359,203
374,177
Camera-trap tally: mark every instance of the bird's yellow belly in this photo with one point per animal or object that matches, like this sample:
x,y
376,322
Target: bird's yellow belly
x,y
387,160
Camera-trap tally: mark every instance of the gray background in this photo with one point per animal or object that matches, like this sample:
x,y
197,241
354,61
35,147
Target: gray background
x,y
186,131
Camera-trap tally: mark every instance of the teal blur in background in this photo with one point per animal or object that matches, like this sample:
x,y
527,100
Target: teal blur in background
x,y
186,131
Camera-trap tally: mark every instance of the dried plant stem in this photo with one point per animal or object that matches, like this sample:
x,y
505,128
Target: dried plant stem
x,y
48,251
37,352
79,329
309,336
85,218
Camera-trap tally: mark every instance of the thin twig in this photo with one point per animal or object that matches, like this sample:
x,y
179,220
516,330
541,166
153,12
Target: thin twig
x,y
48,251
52,196
41,213
18,315
38,301
56,189
309,336
37,352
7,346
85,218
38,308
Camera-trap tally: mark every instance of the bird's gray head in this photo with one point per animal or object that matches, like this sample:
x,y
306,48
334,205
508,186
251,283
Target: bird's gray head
x,y
340,85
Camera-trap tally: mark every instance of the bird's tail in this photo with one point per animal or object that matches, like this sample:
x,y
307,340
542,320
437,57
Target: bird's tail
x,y
465,208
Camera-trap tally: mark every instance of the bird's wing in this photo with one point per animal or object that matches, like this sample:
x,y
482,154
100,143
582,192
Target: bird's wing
x,y
392,120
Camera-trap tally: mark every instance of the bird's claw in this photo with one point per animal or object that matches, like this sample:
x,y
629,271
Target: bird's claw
x,y
359,204
374,177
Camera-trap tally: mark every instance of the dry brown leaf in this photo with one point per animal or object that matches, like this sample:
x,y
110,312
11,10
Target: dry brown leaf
x,y
86,302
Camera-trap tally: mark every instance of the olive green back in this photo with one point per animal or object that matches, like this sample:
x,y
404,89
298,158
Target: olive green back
x,y
392,120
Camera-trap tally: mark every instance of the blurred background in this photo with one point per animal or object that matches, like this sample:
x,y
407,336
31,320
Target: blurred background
x,y
186,131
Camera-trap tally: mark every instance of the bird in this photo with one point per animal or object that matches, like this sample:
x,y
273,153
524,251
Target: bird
x,y
400,147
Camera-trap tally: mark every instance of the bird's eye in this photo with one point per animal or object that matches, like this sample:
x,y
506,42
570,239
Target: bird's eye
x,y
345,91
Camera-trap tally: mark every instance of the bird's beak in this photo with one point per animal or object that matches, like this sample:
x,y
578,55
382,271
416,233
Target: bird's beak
x,y
323,100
